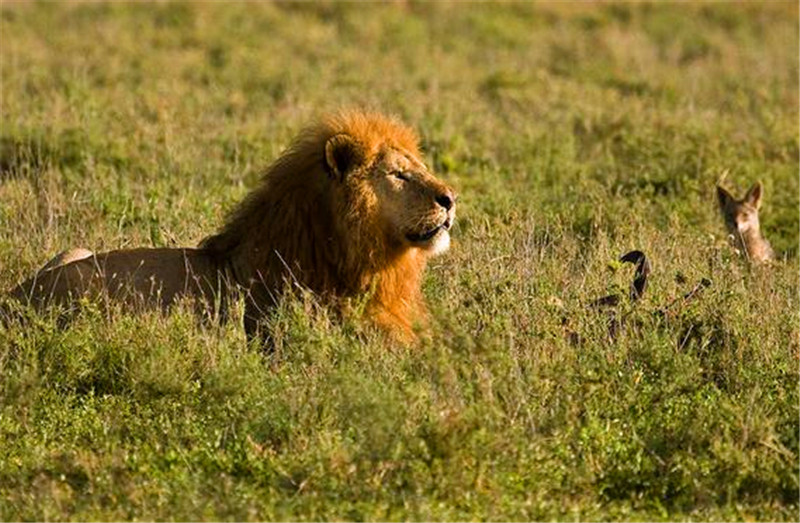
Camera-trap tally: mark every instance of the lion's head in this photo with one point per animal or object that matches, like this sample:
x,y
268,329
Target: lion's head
x,y
349,207
411,207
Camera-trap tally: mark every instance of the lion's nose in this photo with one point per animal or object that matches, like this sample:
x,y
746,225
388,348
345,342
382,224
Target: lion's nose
x,y
446,200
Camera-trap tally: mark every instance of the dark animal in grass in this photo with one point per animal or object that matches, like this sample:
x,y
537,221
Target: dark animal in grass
x,y
610,304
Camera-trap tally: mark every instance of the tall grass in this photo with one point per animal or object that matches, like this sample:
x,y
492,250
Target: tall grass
x,y
573,133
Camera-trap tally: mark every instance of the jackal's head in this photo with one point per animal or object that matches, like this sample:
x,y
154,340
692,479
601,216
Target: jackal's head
x,y
741,216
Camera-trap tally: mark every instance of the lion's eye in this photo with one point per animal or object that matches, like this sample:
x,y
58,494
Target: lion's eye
x,y
400,175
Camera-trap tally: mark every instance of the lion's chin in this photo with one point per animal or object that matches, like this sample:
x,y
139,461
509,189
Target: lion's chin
x,y
440,243
433,243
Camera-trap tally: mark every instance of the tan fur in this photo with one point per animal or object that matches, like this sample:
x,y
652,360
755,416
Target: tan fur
x,y
135,278
65,257
742,223
348,210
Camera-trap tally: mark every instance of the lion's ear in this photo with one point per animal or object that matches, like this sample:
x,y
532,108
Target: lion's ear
x,y
342,155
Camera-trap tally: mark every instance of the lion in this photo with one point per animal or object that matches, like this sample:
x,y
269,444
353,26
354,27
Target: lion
x,y
349,210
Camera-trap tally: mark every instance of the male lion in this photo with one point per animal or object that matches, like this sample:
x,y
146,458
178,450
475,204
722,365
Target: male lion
x,y
348,210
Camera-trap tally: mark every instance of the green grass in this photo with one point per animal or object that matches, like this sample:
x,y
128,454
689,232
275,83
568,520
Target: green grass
x,y
573,133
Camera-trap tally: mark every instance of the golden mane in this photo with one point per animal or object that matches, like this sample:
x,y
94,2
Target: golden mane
x,y
301,226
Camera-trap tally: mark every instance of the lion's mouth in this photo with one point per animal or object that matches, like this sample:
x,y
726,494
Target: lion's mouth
x,y
425,237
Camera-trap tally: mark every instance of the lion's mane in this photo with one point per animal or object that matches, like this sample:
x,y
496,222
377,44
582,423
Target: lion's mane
x,y
300,227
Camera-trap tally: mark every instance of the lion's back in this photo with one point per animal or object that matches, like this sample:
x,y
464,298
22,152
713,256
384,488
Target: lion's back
x,y
135,277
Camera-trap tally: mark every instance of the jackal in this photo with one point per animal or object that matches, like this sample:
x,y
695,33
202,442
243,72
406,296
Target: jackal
x,y
741,221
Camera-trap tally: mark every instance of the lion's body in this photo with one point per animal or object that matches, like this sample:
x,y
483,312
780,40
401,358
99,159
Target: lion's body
x,y
349,210
134,278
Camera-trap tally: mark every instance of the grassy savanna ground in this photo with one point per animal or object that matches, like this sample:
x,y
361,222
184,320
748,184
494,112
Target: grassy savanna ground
x,y
573,133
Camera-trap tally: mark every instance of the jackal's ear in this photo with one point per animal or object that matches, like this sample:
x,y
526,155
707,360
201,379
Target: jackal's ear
x,y
753,196
723,196
342,155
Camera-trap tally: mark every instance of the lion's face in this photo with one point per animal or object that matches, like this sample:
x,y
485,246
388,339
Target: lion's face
x,y
416,208
413,207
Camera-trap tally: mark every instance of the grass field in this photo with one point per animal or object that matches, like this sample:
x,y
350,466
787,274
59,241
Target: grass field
x,y
573,134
